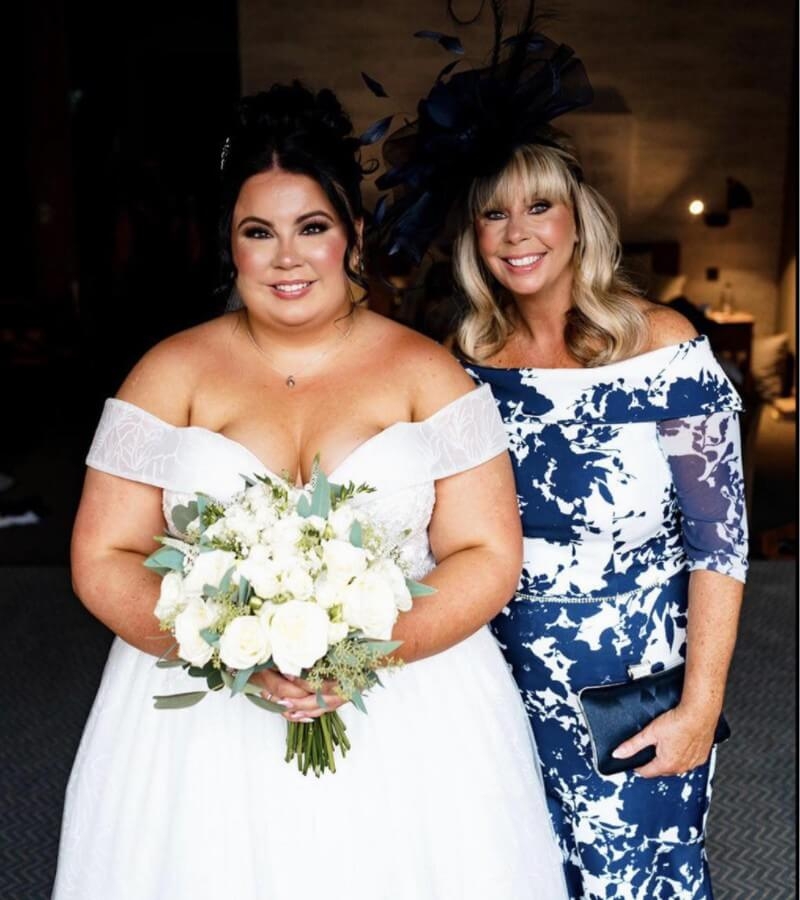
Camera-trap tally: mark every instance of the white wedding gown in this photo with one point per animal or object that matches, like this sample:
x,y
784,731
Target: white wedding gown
x,y
439,797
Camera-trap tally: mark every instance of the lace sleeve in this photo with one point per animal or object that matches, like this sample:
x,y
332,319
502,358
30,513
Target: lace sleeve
x,y
131,443
704,455
465,433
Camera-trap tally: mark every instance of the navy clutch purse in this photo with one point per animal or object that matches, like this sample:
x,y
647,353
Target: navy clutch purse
x,y
616,712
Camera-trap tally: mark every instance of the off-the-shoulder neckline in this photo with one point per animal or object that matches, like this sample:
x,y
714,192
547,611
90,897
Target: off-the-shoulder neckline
x,y
669,350
342,463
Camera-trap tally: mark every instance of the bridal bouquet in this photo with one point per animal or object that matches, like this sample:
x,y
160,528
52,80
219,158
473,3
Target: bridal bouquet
x,y
300,581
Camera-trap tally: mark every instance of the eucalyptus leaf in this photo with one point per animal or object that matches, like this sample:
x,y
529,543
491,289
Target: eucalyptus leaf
x,y
183,515
169,663
384,648
417,589
265,704
356,534
241,679
321,700
304,506
321,495
178,701
225,584
178,544
269,664
209,636
165,558
244,590
358,701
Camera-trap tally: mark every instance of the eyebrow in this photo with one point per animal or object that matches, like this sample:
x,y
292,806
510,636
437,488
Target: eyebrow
x,y
298,221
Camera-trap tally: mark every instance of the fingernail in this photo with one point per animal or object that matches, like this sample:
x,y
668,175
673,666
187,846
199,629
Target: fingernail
x,y
306,721
616,754
287,703
289,677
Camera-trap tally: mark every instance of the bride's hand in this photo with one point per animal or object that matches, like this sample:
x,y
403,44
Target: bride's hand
x,y
299,698
308,709
277,689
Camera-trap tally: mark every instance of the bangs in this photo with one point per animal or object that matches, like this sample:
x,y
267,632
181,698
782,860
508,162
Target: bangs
x,y
534,172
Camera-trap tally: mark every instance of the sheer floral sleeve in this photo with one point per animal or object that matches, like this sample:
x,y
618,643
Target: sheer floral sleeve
x,y
704,455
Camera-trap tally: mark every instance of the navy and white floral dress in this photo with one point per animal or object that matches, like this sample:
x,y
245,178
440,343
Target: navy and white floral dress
x,y
629,477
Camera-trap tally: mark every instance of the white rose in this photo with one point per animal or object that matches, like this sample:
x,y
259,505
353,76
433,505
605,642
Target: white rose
x,y
266,612
245,642
171,598
261,507
298,583
299,633
343,561
243,525
261,572
284,535
369,606
218,530
188,625
389,570
337,631
328,592
208,568
341,521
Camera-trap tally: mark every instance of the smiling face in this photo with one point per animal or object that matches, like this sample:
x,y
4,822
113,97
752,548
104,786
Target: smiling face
x,y
288,245
526,233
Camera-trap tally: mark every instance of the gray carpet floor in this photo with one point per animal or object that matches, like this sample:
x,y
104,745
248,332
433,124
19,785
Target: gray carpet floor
x,y
53,654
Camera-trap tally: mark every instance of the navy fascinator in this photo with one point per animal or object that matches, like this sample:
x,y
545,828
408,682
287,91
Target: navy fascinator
x,y
469,125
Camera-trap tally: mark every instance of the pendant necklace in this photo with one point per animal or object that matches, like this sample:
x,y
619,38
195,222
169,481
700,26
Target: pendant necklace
x,y
291,380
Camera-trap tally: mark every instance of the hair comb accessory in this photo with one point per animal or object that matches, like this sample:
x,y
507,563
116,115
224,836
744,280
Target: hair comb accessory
x,y
470,124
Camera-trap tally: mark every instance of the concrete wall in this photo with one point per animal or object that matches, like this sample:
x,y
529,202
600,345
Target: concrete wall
x,y
707,84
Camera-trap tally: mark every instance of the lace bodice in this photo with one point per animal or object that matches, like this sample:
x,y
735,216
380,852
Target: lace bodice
x,y
402,462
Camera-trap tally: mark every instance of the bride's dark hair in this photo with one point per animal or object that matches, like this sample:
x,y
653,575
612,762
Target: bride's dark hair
x,y
292,128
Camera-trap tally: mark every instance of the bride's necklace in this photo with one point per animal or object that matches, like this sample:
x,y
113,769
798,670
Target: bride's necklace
x,y
290,380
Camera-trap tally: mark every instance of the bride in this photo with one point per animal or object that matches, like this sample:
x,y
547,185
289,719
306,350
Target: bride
x,y
439,796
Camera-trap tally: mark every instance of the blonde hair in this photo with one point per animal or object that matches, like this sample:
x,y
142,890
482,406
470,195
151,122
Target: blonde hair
x,y
604,324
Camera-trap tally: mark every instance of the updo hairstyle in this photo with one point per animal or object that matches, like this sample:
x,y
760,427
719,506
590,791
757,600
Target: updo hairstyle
x,y
294,129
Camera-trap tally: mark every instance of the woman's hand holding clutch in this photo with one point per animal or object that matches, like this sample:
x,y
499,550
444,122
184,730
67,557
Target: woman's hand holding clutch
x,y
682,739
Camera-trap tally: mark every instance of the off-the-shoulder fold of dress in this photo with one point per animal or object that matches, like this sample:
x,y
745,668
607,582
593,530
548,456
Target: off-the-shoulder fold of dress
x,y
132,443
668,383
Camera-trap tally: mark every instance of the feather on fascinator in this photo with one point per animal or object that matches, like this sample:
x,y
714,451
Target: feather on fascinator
x,y
469,125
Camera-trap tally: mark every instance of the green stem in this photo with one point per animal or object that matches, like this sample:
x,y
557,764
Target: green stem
x,y
326,736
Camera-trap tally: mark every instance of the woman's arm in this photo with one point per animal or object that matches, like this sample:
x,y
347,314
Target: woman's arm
x,y
704,455
113,534
118,519
476,537
683,736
